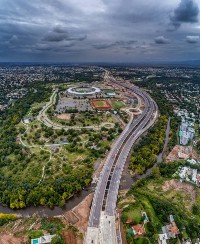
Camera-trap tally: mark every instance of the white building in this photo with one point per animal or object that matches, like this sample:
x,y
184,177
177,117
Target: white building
x,y
46,239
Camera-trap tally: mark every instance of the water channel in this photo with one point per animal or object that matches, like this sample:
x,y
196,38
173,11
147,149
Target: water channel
x,y
46,211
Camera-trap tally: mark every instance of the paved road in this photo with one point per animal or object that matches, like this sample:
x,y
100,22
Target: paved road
x,y
43,118
107,188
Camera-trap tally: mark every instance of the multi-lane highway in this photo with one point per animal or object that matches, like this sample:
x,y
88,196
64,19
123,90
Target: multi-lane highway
x,y
105,197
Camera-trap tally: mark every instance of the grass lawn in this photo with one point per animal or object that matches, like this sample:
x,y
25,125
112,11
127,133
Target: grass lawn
x,y
142,240
108,91
135,215
117,104
185,235
100,104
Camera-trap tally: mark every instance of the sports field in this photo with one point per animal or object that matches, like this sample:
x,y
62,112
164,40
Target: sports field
x,y
101,104
117,104
108,91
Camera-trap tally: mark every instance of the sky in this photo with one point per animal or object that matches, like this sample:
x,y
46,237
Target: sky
x,y
99,30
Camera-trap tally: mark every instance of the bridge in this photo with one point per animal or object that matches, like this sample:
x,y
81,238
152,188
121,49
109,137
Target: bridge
x,y
101,226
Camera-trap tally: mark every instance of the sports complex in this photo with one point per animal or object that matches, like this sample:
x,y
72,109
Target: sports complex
x,y
101,104
83,91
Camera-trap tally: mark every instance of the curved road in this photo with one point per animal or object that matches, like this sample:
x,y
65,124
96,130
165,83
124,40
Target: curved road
x,y
101,226
43,118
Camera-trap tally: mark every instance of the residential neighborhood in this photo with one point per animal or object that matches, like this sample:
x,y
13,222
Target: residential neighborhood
x,y
169,231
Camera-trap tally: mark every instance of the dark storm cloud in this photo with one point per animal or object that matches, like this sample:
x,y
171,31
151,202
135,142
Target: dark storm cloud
x,y
121,44
59,29
58,37
192,39
60,33
104,45
186,12
104,30
161,40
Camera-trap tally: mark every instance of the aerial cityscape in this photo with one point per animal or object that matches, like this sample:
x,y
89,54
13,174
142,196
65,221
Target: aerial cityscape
x,y
99,122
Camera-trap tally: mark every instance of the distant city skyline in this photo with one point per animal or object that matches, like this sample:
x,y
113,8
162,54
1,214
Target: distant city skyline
x,y
99,30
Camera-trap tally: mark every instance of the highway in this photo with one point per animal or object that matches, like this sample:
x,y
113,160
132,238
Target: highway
x,y
106,191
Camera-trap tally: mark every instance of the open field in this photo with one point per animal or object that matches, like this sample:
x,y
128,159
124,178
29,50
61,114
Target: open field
x,y
117,104
83,119
101,104
64,116
108,91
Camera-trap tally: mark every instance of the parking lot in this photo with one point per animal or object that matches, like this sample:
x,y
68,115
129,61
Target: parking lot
x,y
68,103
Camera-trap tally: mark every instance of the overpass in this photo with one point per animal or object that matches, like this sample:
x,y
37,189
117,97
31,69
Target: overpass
x,y
101,225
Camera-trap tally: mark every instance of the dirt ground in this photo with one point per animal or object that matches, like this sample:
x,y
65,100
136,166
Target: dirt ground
x,y
180,186
120,226
71,217
83,212
181,152
80,216
64,116
70,237
8,238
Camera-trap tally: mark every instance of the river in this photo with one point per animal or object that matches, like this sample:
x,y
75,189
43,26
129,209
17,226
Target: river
x,y
45,211
160,156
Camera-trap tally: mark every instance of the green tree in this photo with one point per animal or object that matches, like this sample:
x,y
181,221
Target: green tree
x,y
155,172
58,239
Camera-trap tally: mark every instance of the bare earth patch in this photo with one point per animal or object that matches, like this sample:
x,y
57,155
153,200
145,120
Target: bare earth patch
x,y
70,237
125,199
83,212
178,186
181,152
64,116
80,216
6,238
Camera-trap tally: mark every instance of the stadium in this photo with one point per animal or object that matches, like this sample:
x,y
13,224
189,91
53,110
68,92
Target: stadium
x,y
83,91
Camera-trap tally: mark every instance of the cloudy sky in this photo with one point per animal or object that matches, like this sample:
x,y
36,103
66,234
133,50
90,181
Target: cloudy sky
x,y
99,30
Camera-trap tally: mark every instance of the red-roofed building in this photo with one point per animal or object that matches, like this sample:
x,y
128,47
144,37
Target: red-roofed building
x,y
129,220
171,230
138,229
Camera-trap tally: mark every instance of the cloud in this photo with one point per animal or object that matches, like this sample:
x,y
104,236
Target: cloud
x,y
62,34
186,12
121,44
13,39
60,29
103,45
192,39
161,40
99,30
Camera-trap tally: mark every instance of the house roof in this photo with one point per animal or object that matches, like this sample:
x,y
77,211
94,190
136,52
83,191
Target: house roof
x,y
129,220
174,228
163,238
139,229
